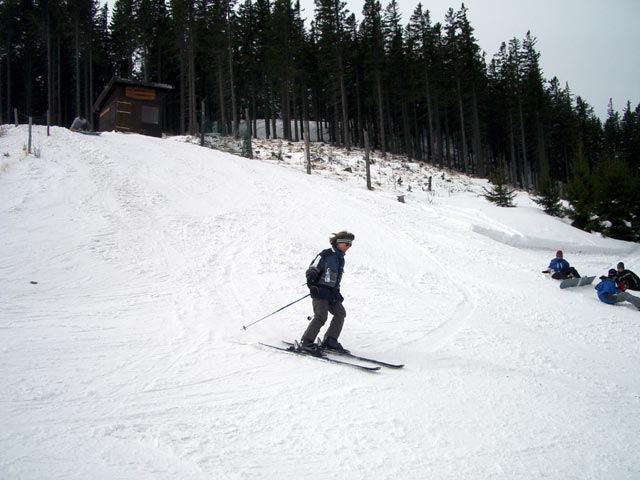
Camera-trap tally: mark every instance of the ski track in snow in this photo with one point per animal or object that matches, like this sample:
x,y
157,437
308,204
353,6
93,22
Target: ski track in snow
x,y
151,254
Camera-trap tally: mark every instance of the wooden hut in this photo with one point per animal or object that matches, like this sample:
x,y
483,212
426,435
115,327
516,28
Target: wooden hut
x,y
131,106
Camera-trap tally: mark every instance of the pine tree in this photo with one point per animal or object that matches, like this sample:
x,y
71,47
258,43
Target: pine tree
x,y
581,193
374,60
548,197
616,207
500,194
125,35
330,22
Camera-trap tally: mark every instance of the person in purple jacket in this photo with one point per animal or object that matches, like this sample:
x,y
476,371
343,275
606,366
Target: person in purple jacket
x,y
609,293
560,268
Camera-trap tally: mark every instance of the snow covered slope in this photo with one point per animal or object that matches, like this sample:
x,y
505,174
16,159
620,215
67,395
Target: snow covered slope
x,y
128,266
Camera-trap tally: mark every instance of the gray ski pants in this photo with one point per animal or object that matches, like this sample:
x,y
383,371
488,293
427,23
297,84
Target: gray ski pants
x,y
321,310
627,297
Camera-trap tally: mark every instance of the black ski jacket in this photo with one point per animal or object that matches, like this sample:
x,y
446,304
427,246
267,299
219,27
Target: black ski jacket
x,y
324,275
629,279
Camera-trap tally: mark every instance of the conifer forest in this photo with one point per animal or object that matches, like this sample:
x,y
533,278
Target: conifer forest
x,y
419,87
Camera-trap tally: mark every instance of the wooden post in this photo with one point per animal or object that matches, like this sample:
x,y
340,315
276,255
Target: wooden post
x,y
367,160
48,124
30,125
15,115
248,134
307,150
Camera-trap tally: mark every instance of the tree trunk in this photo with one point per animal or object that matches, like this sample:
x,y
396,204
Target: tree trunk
x,y
284,111
515,177
272,113
232,88
463,132
437,134
222,115
58,95
543,164
49,70
359,126
381,116
525,163
406,131
8,75
479,169
182,95
367,160
345,109
432,137
77,64
192,87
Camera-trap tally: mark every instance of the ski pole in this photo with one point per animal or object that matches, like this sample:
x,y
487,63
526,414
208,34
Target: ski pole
x,y
244,327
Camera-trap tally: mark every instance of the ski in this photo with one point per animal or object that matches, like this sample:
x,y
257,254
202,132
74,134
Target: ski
x,y
292,349
358,357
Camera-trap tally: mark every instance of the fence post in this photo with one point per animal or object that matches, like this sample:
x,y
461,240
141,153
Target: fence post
x,y
15,115
307,149
248,139
48,124
30,125
367,159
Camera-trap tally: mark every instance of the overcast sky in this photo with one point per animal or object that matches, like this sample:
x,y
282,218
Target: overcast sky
x,y
594,45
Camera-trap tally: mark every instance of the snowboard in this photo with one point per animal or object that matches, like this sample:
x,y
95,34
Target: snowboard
x,y
87,132
576,282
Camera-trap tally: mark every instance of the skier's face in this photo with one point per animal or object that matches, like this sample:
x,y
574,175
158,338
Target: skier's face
x,y
343,247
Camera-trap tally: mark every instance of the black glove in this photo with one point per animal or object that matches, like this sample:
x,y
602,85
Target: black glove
x,y
313,289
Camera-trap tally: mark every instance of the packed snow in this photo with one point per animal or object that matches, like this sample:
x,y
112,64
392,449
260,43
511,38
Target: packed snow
x,y
129,265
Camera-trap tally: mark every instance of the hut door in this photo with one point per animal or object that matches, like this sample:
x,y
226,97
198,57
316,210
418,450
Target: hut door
x,y
124,116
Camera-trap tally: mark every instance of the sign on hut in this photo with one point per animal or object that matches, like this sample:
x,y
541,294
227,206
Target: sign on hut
x,y
132,106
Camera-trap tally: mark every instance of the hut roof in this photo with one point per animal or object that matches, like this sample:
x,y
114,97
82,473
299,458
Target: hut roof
x,y
124,81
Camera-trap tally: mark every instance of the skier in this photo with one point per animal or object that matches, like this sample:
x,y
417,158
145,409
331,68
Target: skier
x,y
626,279
561,268
323,279
609,293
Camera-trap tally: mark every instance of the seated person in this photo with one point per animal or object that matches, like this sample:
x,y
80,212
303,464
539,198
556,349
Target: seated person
x,y
561,268
609,293
626,279
80,125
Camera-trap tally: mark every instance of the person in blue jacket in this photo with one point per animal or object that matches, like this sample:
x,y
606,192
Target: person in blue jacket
x,y
609,293
561,268
323,279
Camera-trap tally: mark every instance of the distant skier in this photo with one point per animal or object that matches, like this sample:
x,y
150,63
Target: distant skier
x,y
323,279
561,268
609,293
626,279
